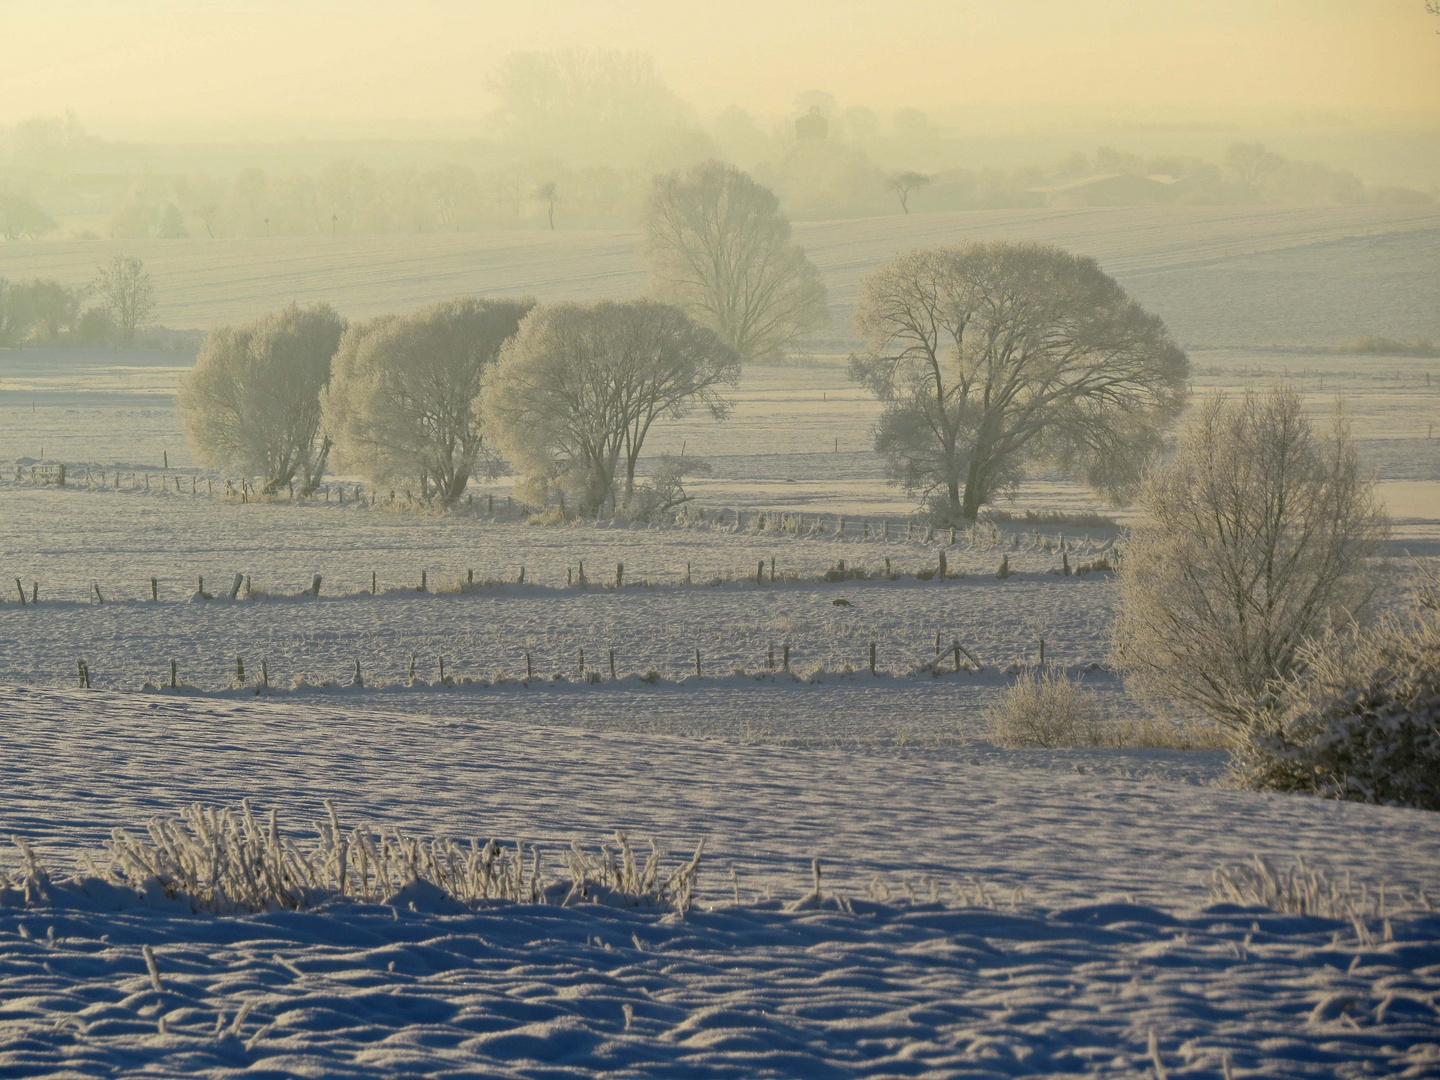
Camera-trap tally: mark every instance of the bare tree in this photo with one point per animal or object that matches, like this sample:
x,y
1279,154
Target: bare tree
x,y
720,248
989,357
1256,537
902,183
575,394
1252,164
126,293
252,401
403,405
549,194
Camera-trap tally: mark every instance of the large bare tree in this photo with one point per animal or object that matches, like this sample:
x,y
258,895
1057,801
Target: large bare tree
x,y
575,394
719,247
991,357
404,402
252,401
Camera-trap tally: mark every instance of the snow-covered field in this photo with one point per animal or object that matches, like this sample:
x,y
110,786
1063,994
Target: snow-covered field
x,y
1045,907
1103,943
1218,275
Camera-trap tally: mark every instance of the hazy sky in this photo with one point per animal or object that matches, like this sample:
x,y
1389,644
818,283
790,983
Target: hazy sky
x,y
349,60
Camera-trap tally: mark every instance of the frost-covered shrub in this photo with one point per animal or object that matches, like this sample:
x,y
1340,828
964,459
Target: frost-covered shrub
x,y
1362,723
1045,709
225,862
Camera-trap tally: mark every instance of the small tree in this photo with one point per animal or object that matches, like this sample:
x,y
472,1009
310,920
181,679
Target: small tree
x,y
1256,538
403,405
252,401
904,182
720,248
126,293
577,391
20,217
989,357
549,194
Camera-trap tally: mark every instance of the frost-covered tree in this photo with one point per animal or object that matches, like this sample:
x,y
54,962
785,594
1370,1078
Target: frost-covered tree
x,y
127,294
1258,536
720,248
252,401
576,392
992,357
404,402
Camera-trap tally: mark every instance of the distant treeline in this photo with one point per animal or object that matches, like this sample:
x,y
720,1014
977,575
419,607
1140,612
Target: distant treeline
x,y
1384,346
575,143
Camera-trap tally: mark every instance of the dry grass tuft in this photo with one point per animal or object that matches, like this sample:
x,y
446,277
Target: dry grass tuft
x,y
226,862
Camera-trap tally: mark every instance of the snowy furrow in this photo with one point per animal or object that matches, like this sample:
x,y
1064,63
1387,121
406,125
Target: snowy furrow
x,y
751,991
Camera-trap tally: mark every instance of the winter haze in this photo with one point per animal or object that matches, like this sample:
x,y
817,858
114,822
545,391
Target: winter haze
x,y
677,540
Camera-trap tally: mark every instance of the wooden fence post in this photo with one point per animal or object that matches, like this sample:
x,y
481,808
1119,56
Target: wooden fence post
x,y
174,676
872,658
612,665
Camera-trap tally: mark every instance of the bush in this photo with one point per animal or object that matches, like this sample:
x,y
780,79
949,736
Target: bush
x,y
96,327
1362,723
1045,709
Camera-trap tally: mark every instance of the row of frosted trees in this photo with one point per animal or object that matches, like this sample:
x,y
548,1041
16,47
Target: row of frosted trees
x,y
566,393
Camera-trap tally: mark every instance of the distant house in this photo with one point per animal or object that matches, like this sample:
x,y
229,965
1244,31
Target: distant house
x,y
1107,189
812,126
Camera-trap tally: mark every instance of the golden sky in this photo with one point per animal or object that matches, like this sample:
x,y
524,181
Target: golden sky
x,y
357,60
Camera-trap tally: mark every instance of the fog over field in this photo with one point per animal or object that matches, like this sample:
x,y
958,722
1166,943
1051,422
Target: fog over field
x,y
783,540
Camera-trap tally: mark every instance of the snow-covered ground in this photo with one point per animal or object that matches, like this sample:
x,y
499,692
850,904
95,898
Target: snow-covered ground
x,y
1104,944
886,778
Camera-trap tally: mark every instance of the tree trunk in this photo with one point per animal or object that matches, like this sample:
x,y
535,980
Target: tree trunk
x,y
970,510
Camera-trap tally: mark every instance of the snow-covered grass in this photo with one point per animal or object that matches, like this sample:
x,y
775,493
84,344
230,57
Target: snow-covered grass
x,y
227,862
